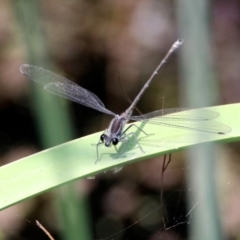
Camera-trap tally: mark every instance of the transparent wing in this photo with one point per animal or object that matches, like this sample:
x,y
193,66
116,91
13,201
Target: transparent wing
x,y
63,87
195,119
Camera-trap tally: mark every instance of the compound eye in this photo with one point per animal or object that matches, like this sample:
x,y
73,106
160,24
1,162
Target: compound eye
x,y
115,141
102,137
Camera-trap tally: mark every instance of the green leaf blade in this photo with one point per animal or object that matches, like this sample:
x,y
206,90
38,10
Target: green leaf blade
x,y
73,160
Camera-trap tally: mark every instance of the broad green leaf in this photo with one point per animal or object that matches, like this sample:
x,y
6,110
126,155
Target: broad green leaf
x,y
73,160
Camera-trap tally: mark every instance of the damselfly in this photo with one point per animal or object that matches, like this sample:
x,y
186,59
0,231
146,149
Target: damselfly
x,y
116,133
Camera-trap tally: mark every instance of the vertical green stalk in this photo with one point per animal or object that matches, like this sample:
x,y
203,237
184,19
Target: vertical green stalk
x,y
53,120
199,89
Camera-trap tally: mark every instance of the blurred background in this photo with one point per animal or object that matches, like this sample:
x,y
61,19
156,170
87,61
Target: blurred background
x,y
98,45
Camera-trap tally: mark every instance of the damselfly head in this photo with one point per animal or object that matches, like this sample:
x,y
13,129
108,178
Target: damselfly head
x,y
108,141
